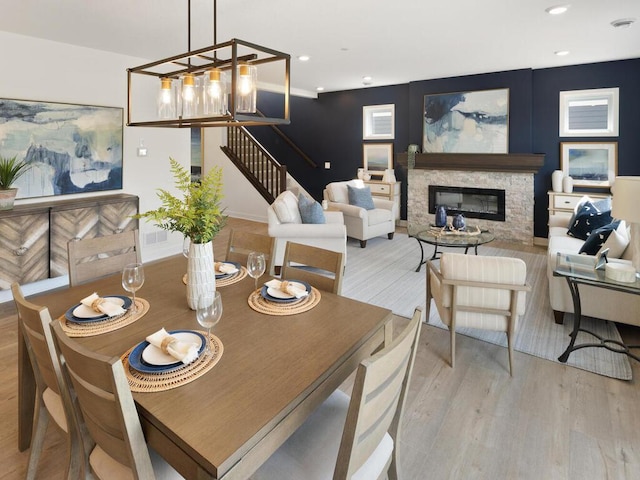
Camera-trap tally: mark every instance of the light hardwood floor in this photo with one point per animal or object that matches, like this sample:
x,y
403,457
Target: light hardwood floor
x,y
473,422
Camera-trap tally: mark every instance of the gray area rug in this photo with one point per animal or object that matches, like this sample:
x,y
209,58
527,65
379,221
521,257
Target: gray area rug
x,y
384,274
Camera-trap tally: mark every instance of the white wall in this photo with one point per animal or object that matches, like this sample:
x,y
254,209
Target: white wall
x,y
54,72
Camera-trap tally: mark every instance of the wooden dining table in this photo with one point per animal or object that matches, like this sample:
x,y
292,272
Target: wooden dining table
x,y
274,370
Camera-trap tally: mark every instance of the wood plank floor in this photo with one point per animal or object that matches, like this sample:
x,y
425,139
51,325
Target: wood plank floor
x,y
548,422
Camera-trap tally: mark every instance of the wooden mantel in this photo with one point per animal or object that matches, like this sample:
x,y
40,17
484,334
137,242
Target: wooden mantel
x,y
487,162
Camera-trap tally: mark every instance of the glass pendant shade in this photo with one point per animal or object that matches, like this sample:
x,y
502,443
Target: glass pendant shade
x,y
166,99
189,96
215,92
246,88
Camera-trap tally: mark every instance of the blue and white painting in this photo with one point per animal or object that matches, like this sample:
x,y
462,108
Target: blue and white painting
x,y
467,122
70,148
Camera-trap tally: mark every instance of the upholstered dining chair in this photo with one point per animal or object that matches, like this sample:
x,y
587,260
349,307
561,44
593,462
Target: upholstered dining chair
x,y
476,291
52,397
242,242
354,438
319,267
97,257
115,447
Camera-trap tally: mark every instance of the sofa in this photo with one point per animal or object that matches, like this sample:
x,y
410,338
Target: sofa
x,y
594,301
285,223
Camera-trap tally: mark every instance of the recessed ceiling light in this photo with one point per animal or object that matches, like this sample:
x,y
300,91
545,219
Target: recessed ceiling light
x,y
557,9
623,22
562,53
366,80
320,89
304,58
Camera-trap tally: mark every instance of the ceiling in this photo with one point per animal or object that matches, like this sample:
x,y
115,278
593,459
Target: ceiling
x,y
394,42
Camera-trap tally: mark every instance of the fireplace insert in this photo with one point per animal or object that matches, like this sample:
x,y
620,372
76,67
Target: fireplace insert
x,y
486,203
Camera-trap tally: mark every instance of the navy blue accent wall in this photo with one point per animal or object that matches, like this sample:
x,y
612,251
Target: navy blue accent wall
x,y
329,128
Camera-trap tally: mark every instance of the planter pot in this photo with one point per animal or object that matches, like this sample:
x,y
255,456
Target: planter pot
x,y
7,198
556,181
201,277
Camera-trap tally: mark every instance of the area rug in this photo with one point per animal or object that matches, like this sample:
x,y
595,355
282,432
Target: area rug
x,y
384,274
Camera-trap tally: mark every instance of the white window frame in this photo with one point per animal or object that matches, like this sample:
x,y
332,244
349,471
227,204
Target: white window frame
x,y
610,95
368,113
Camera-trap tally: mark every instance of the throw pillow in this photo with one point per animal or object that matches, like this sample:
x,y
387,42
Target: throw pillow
x,y
617,241
361,197
598,237
286,208
310,210
602,205
587,219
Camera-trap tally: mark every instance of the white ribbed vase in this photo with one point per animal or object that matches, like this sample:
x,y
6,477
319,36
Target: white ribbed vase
x,y
201,277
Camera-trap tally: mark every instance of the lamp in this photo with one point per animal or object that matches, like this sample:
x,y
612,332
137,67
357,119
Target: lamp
x,y
624,205
193,88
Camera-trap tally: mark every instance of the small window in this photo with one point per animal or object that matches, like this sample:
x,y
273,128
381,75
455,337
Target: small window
x,y
589,113
378,122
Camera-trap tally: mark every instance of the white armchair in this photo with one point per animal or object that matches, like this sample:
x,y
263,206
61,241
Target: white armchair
x,y
361,223
285,225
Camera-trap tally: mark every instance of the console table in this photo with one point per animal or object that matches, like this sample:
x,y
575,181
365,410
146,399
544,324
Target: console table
x,y
386,190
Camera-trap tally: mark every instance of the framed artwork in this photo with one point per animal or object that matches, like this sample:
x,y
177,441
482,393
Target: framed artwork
x,y
378,122
590,164
377,157
70,148
466,122
589,113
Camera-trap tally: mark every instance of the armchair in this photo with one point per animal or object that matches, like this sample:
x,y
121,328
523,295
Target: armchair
x,y
285,225
362,224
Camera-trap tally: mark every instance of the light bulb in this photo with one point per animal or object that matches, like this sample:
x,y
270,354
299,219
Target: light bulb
x,y
246,89
189,96
166,99
215,94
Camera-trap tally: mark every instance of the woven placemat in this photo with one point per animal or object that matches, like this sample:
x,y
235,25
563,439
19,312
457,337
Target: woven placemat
x,y
262,305
158,382
223,282
89,329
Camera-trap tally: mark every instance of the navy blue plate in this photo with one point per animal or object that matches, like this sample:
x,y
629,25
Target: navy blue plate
x,y
136,361
225,275
266,296
72,318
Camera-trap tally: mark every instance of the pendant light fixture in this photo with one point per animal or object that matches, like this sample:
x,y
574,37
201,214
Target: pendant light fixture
x,y
207,87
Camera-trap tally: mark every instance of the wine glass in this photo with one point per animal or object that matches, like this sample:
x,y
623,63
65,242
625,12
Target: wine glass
x,y
208,312
186,243
256,265
132,280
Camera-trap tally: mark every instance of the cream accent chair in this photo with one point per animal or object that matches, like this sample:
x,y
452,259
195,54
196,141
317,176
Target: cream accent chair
x,y
285,225
478,292
369,423
362,224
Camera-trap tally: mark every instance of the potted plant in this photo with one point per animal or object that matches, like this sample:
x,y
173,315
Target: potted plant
x,y
10,170
197,216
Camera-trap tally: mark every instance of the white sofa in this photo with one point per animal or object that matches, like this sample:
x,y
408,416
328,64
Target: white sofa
x,y
285,224
594,301
362,224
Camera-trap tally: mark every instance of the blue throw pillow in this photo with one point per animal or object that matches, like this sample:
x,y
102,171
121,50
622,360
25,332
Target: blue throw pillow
x,y
594,242
310,210
360,197
588,218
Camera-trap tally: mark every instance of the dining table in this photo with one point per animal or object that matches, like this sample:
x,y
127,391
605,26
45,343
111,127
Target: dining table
x,y
274,370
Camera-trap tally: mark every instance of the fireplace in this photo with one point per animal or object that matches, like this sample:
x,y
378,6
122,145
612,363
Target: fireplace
x,y
485,203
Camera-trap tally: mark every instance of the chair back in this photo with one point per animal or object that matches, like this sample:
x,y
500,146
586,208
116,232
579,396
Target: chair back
x,y
319,267
241,243
106,406
377,401
97,257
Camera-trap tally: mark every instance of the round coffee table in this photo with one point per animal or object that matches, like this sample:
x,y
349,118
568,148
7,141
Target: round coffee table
x,y
439,238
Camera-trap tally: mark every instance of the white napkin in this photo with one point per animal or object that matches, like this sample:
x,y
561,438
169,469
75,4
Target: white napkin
x,y
226,268
287,287
102,305
183,351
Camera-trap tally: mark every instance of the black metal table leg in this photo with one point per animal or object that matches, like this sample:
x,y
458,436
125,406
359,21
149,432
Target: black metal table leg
x,y
575,295
422,260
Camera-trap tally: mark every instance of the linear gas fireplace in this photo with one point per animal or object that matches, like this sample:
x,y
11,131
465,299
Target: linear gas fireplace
x,y
486,203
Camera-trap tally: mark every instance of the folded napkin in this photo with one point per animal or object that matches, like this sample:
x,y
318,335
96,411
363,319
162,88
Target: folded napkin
x,y
288,287
183,351
226,268
102,305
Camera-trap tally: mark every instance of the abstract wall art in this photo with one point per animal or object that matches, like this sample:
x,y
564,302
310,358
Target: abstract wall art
x,y
590,164
466,122
71,148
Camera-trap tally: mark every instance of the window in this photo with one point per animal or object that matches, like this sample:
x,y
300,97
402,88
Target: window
x,y
589,113
378,122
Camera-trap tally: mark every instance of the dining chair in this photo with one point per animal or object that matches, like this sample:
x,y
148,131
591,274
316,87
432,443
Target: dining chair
x,y
354,438
92,258
242,242
475,291
51,397
115,447
321,268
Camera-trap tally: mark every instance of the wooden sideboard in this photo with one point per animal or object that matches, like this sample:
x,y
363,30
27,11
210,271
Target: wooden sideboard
x,y
388,191
33,240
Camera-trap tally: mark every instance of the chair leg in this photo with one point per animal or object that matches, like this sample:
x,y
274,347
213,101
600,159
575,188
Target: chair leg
x,y
558,317
452,335
41,416
390,235
510,349
363,243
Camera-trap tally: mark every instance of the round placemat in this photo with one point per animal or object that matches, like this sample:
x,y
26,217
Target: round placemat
x,y
223,282
89,329
158,382
262,305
